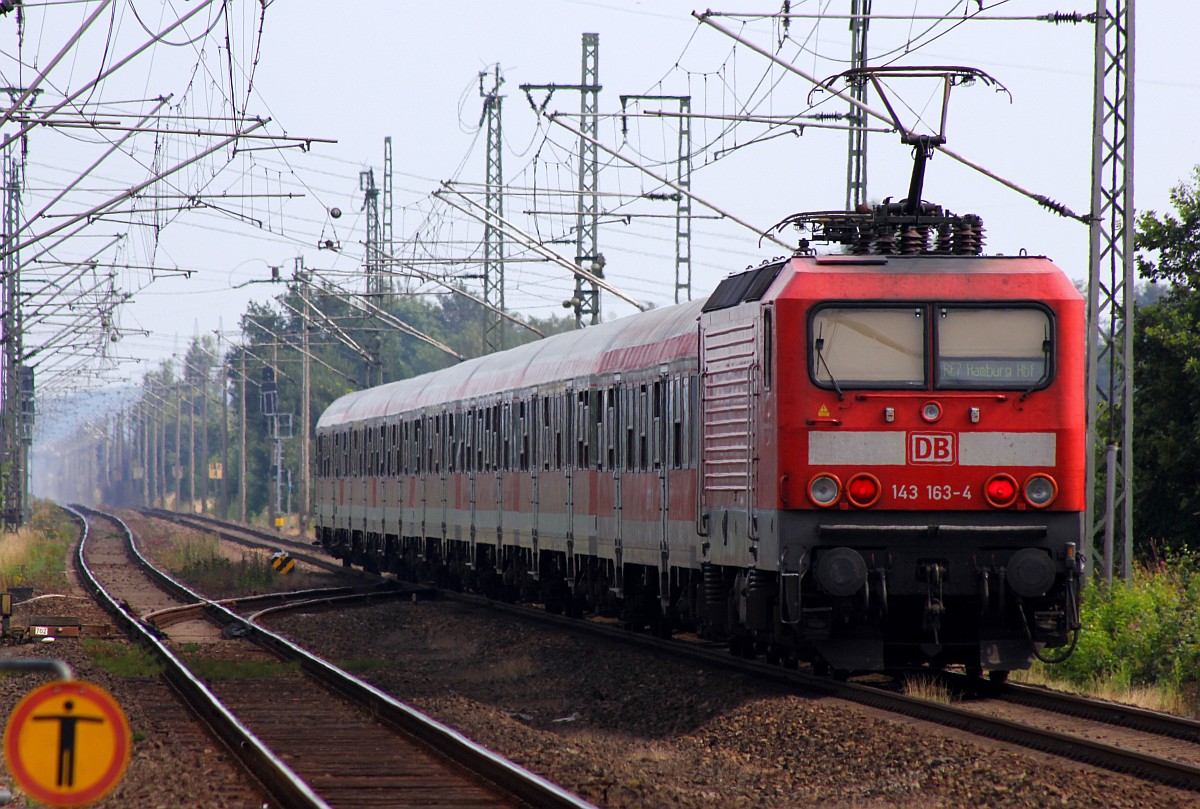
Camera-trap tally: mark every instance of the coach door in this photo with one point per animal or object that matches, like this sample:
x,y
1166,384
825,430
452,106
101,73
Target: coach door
x,y
505,464
658,463
531,434
614,413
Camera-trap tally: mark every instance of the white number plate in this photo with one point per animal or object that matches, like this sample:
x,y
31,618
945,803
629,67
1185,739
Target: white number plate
x,y
930,492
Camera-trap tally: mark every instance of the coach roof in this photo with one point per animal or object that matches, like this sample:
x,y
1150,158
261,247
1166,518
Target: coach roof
x,y
638,341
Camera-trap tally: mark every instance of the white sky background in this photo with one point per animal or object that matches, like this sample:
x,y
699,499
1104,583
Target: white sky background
x,y
359,71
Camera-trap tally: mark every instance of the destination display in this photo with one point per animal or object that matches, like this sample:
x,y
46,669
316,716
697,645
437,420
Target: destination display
x,y
992,370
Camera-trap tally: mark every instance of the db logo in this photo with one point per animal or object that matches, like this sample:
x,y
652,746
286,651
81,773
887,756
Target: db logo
x,y
931,448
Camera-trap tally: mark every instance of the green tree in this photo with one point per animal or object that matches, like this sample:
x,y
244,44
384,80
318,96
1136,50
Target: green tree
x,y
1167,375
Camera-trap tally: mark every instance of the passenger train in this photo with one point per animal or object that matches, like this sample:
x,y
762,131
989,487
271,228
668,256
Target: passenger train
x,y
869,460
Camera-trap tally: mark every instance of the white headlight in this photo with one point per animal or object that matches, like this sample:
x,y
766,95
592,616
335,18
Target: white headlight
x,y
1040,491
824,490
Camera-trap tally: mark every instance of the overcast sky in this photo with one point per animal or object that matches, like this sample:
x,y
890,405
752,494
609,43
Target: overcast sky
x,y
358,72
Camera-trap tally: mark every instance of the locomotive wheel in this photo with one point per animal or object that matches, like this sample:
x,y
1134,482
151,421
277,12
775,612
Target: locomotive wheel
x,y
998,676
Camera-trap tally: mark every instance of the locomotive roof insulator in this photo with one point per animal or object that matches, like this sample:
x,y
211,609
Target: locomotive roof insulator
x,y
888,229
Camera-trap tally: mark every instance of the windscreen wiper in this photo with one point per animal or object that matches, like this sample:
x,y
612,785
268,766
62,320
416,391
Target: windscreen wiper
x,y
1046,346
819,345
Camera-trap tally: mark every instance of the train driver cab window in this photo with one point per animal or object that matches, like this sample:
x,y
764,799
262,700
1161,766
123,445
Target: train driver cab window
x,y
872,347
992,347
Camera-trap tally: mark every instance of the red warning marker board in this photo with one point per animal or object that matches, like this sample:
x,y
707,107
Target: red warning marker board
x,y
67,743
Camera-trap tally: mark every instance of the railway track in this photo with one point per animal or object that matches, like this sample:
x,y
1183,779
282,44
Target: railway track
x,y
1147,744
313,735
1152,746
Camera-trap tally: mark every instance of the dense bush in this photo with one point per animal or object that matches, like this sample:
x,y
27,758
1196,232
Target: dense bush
x,y
1146,632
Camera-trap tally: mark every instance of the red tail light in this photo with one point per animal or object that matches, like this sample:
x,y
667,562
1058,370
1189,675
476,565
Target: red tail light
x,y
1000,490
863,490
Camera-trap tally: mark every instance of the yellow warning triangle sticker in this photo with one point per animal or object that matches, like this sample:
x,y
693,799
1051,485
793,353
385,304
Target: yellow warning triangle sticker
x,y
823,412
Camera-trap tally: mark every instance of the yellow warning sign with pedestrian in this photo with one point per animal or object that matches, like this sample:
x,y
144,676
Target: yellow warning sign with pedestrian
x,y
67,743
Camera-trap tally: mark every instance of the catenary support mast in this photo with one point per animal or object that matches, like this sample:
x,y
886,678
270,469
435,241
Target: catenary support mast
x,y
493,236
856,159
1111,288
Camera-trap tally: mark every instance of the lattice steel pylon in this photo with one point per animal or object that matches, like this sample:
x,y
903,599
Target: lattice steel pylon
x,y
683,185
373,265
14,467
587,211
493,235
1111,290
683,204
386,265
856,157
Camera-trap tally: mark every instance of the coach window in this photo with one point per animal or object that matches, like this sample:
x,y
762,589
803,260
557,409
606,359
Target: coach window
x,y
504,462
658,434
645,427
993,347
466,424
524,428
418,446
629,401
437,447
612,418
528,425
489,439
579,423
595,448
562,426
867,347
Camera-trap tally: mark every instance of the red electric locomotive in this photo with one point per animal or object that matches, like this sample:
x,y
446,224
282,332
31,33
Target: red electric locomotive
x,y
867,460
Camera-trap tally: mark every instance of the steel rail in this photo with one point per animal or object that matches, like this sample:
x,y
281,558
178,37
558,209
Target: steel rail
x,y
298,550
507,775
1126,716
273,773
